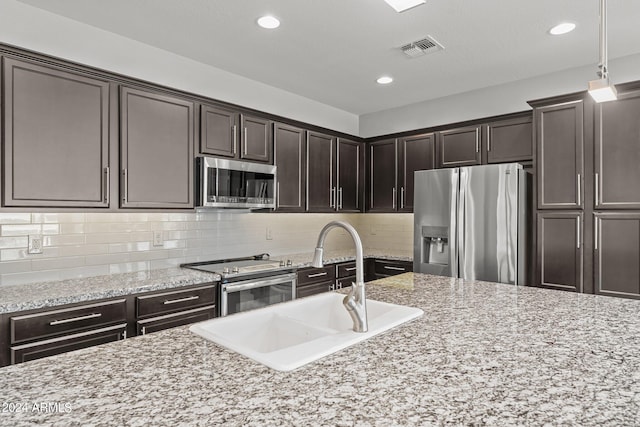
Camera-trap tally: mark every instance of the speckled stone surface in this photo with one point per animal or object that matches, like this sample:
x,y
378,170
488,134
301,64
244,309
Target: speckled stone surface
x,y
482,354
331,257
51,294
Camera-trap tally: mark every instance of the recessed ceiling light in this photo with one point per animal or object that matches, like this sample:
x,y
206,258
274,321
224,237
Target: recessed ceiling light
x,y
384,80
402,5
563,28
269,22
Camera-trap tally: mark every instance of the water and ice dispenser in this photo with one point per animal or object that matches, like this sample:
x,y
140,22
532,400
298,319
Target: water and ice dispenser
x,y
434,256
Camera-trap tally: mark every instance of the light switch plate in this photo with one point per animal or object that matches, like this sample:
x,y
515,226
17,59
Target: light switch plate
x,y
35,244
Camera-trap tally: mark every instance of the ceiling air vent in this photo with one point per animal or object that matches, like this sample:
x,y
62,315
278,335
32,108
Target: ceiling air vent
x,y
421,47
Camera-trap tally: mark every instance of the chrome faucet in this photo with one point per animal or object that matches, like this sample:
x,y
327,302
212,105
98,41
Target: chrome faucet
x,y
355,302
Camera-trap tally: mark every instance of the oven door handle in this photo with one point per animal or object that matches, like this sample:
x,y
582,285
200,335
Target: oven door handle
x,y
256,283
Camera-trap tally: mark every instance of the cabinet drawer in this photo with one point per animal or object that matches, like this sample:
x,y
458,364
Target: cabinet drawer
x,y
56,322
345,282
316,288
315,275
391,268
51,347
167,302
176,319
346,269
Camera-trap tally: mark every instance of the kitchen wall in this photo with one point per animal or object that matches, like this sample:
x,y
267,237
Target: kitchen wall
x,y
90,244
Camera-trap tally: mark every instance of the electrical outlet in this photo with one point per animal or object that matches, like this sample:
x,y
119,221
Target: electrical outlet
x,y
35,244
269,234
157,238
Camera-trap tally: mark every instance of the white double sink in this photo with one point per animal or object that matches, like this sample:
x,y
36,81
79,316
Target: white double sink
x,y
289,335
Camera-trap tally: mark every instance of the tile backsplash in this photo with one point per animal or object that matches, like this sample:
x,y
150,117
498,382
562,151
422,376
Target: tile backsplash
x,y
90,244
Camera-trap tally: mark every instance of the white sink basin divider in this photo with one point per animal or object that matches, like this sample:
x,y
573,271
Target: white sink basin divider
x,y
289,335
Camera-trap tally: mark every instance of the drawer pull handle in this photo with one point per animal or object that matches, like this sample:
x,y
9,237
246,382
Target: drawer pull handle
x,y
387,267
175,301
349,269
311,276
75,319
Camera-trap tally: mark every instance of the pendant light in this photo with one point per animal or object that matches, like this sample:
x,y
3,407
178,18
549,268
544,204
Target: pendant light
x,y
601,89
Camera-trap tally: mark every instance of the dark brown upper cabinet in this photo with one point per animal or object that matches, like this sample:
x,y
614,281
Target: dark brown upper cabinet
x,y
349,176
560,149
383,176
560,250
509,140
289,157
219,131
56,137
415,153
257,139
460,147
617,254
227,133
156,150
617,153
335,174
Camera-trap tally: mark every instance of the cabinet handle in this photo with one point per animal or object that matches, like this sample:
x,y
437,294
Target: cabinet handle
x,y
488,142
579,195
246,137
125,177
75,319
311,276
595,234
278,195
477,144
339,198
401,197
107,184
597,190
175,301
393,198
235,139
144,330
578,232
388,267
349,269
331,197
124,334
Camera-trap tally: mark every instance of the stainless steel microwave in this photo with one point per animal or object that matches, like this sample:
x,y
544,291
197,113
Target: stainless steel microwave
x,y
224,183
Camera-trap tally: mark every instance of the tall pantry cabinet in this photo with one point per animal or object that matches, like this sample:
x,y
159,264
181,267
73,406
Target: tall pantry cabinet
x,y
588,193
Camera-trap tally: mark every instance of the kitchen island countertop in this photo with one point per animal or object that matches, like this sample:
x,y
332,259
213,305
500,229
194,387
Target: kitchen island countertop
x,y
482,354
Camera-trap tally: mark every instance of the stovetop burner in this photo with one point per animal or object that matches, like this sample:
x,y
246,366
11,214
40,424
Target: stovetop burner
x,y
236,267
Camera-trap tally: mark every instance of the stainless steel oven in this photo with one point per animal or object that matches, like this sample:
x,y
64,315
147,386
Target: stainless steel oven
x,y
256,293
250,283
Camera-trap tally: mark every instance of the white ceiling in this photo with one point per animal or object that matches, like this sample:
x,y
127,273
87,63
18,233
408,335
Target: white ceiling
x,y
332,51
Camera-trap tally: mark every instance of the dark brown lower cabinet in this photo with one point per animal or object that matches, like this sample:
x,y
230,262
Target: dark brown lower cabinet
x,y
345,275
313,281
560,250
385,268
173,320
617,254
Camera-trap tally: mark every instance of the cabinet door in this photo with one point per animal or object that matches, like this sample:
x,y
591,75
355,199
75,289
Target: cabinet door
x,y
460,147
617,159
383,161
321,188
156,150
350,176
56,130
219,131
257,140
416,153
510,141
617,254
289,156
560,248
560,164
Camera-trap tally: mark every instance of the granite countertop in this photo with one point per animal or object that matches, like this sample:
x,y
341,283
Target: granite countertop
x,y
50,294
482,354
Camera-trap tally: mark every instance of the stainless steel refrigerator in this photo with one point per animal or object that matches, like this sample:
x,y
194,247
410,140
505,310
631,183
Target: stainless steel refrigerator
x,y
473,222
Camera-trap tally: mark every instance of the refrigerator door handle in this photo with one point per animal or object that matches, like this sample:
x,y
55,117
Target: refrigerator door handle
x,y
461,194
